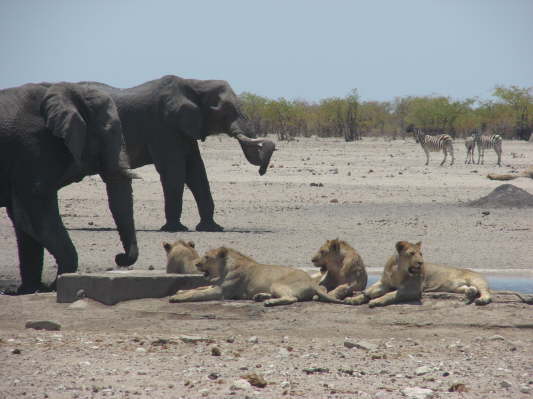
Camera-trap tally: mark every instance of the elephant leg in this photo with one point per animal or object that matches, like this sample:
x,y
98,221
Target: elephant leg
x,y
40,216
55,238
172,175
196,179
31,254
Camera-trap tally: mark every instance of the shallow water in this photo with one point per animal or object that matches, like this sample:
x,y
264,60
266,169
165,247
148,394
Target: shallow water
x,y
522,284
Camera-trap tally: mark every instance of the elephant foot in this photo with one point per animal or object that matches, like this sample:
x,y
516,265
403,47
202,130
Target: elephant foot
x,y
209,226
174,227
25,289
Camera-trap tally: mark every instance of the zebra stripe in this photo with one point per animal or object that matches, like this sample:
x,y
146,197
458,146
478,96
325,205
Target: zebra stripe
x,y
441,142
486,143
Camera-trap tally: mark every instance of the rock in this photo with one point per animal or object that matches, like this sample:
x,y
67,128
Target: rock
x,y
524,388
313,370
458,387
253,340
213,376
240,385
230,340
193,339
423,370
16,351
255,380
506,384
44,325
215,351
417,393
285,384
485,213
496,338
80,304
334,201
368,346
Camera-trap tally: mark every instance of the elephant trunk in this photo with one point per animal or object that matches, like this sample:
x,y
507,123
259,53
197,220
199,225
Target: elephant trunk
x,y
257,151
120,199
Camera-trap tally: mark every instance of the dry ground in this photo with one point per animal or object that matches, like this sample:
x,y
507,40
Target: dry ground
x,y
373,194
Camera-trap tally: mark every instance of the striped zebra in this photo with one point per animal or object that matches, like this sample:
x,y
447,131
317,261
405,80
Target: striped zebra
x,y
441,142
470,144
486,142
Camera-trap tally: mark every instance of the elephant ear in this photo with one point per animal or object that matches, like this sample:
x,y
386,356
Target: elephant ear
x,y
63,119
185,114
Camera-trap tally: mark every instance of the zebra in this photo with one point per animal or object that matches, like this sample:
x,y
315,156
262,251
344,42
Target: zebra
x,y
441,142
470,144
485,142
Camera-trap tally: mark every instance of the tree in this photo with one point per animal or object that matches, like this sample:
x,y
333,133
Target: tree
x,y
521,101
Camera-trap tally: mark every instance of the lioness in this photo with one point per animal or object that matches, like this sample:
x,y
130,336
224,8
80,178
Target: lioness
x,y
525,173
181,257
343,269
233,275
406,275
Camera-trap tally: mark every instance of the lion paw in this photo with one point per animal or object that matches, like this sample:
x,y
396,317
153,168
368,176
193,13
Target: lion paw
x,y
262,296
356,300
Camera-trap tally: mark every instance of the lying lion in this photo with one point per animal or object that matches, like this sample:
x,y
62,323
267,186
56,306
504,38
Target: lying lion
x,y
235,276
406,275
525,173
343,270
181,257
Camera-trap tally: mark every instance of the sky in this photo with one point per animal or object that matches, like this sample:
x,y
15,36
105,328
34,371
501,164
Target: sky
x,y
296,49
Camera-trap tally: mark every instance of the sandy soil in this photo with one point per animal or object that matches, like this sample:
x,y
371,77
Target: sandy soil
x,y
371,194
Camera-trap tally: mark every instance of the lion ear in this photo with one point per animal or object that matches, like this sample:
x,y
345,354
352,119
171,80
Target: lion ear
x,y
167,246
335,245
401,245
191,244
222,252
419,245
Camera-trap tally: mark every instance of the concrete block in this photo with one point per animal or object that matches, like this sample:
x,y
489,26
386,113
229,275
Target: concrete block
x,y
116,286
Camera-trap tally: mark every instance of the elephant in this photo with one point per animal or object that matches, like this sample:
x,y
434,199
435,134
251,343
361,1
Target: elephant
x,y
162,120
52,135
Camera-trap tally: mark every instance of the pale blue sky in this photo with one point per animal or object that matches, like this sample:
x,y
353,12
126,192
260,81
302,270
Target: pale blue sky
x,y
278,48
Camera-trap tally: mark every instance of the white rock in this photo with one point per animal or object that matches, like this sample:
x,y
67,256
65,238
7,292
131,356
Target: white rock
x,y
253,340
285,384
80,304
506,384
417,393
240,385
423,370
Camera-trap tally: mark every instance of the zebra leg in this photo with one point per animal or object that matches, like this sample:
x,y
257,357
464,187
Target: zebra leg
x,y
427,156
453,157
445,156
498,150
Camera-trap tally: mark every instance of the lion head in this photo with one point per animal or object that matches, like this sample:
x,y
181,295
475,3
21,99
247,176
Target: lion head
x,y
181,256
328,254
213,264
410,257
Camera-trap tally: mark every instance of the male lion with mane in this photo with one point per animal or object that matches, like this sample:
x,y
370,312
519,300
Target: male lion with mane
x,y
233,275
343,270
406,275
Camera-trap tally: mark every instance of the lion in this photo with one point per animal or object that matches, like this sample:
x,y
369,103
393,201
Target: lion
x,y
406,276
181,257
233,275
525,173
342,269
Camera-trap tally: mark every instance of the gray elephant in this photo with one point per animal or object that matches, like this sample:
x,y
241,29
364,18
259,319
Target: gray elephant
x,y
52,135
162,121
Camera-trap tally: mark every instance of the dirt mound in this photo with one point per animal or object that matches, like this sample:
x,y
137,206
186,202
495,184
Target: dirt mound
x,y
505,196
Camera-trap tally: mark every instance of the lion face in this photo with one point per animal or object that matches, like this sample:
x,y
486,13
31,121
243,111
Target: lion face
x,y
412,260
327,255
213,264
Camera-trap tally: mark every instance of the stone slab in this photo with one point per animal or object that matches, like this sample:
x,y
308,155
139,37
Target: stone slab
x,y
116,286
